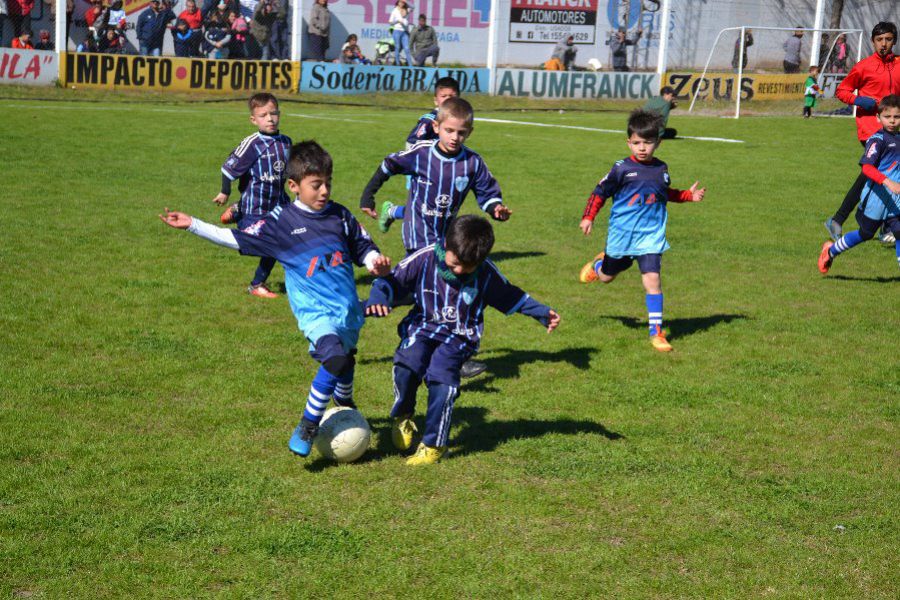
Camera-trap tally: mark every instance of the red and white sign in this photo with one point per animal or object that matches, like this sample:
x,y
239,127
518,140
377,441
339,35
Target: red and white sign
x,y
28,67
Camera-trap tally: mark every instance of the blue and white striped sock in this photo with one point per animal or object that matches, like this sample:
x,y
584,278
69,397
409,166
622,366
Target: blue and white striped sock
x,y
343,391
320,392
397,211
654,313
845,243
597,264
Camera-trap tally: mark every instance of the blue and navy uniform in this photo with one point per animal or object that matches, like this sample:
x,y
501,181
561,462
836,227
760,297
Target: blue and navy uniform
x,y
439,184
259,163
424,129
317,250
882,151
443,329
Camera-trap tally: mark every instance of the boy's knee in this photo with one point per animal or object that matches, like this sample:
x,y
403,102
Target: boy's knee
x,y
866,233
339,364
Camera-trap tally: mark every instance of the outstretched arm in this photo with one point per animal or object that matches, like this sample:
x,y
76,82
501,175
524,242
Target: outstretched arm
x,y
217,235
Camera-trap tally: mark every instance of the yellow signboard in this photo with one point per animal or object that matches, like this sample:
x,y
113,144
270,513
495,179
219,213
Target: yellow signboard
x,y
721,86
117,71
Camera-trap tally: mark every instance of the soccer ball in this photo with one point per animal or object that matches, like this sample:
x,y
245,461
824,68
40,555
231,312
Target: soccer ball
x,y
594,64
344,434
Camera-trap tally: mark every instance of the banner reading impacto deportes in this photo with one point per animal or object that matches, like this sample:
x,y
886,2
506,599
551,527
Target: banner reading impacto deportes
x,y
720,86
179,74
549,21
28,67
331,78
575,84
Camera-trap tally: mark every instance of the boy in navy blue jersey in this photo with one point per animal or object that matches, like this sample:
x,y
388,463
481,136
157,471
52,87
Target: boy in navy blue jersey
x,y
258,163
425,129
639,188
880,199
452,282
315,240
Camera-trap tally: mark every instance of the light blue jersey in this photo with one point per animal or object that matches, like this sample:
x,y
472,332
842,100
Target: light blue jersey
x,y
882,152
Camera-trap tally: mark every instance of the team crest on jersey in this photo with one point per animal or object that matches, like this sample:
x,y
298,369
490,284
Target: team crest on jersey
x,y
278,166
461,183
443,201
254,229
468,294
448,313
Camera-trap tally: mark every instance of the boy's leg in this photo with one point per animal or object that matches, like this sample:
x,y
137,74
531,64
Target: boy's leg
x,y
867,229
835,224
258,285
893,225
442,378
604,268
410,363
650,268
389,213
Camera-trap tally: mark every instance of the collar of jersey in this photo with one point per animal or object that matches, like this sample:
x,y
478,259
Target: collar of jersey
x,y
440,154
304,208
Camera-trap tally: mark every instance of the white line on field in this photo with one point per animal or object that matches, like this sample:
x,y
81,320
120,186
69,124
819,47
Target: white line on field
x,y
595,129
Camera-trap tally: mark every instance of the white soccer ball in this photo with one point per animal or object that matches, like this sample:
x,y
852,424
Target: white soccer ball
x,y
594,64
344,434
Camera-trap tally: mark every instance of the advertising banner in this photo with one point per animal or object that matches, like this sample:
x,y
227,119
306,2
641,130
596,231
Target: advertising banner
x,y
575,84
829,83
331,78
179,74
721,86
28,67
549,21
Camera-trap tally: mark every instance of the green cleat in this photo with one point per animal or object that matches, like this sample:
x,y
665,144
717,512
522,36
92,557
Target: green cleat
x,y
384,216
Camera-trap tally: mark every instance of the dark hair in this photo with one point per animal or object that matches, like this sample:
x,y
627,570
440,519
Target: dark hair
x,y
446,83
884,27
668,89
645,124
422,16
892,101
470,238
352,36
458,108
308,158
261,99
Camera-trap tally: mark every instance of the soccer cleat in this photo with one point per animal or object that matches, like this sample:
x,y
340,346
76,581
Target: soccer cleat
x,y
589,271
384,216
425,455
301,441
888,239
472,368
834,229
230,215
261,291
402,432
659,342
825,257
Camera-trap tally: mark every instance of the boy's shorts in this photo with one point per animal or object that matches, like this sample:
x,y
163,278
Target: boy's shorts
x,y
869,227
329,347
647,263
433,361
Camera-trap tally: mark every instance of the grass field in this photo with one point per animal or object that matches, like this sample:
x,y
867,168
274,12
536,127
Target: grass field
x,y
146,401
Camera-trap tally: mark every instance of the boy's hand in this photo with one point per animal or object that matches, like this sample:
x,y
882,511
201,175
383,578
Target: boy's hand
x,y
892,186
554,321
697,195
371,212
220,199
586,226
502,213
381,266
178,220
378,310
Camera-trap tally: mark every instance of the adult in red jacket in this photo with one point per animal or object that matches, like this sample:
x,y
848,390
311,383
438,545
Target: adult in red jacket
x,y
20,15
870,80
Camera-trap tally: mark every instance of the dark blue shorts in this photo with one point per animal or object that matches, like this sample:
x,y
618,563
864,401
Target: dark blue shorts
x,y
869,227
431,360
328,347
647,263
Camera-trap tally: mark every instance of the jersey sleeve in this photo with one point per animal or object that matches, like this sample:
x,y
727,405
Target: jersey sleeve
x,y
358,239
422,131
846,88
259,238
401,281
240,160
606,188
486,188
500,294
399,163
873,151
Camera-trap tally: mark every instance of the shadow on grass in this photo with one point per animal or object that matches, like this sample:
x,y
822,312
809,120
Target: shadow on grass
x,y
506,363
501,256
680,327
894,279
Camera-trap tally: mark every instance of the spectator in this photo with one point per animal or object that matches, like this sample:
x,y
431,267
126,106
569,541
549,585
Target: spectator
x,y
661,105
400,30
184,39
261,27
19,12
358,56
838,62
217,38
23,41
748,41
96,17
239,30
151,27
564,52
2,19
424,43
88,44
111,42
116,17
824,47
792,47
44,41
279,42
618,45
191,15
319,30
346,57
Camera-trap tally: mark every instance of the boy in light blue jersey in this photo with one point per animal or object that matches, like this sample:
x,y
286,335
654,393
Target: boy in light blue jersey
x,y
880,199
315,240
639,188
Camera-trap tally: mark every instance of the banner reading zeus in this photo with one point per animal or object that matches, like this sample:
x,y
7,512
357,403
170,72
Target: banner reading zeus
x,y
549,21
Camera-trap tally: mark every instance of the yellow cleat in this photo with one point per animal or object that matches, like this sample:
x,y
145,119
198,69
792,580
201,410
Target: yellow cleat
x,y
425,455
588,273
402,432
660,343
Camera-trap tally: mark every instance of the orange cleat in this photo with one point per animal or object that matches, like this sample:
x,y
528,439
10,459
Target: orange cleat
x,y
230,215
825,257
261,291
659,342
588,272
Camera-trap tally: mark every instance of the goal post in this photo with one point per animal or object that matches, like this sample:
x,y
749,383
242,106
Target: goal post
x,y
740,55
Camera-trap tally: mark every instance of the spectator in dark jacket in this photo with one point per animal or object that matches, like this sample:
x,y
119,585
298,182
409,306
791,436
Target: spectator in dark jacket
x,y
619,47
748,41
19,12
281,28
185,39
261,27
423,42
44,41
151,27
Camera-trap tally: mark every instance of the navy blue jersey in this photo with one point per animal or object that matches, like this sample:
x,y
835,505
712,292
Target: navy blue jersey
x,y
424,129
883,152
450,312
316,250
437,189
259,162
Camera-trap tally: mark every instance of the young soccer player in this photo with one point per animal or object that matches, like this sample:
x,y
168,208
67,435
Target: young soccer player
x,y
639,188
315,240
258,163
452,282
443,171
811,91
444,88
879,203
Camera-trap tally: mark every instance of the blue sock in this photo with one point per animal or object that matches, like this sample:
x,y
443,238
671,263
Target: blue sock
x,y
343,390
897,248
597,264
845,243
654,313
319,395
397,211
